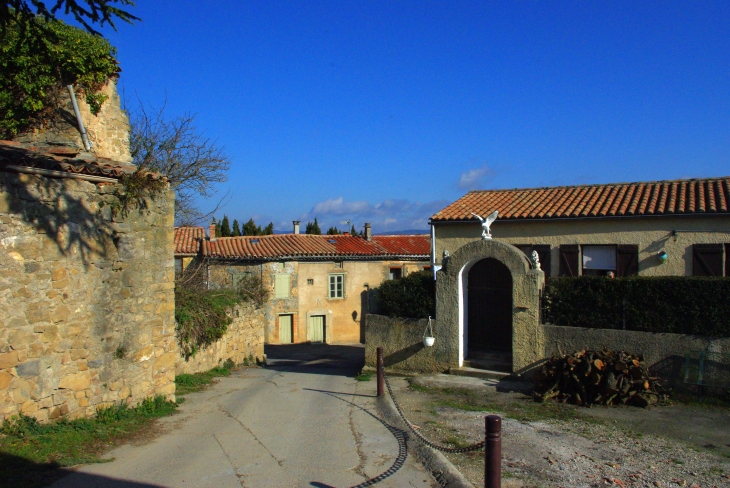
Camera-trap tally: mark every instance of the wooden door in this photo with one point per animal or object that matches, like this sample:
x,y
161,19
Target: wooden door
x,y
316,328
490,307
285,329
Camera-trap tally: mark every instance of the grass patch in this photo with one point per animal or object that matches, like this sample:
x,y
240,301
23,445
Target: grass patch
x,y
31,453
364,376
189,383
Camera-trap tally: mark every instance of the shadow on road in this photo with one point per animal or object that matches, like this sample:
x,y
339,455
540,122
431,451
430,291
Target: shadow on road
x,y
400,435
328,359
17,471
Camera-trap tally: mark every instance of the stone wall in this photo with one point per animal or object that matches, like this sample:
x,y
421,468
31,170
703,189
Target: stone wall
x,y
244,339
86,298
108,131
402,343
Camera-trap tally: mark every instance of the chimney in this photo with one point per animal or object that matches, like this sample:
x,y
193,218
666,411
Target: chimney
x,y
368,231
212,232
296,226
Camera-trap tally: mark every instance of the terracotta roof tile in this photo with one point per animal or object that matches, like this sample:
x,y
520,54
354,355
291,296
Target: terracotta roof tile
x,y
188,239
65,159
289,246
708,195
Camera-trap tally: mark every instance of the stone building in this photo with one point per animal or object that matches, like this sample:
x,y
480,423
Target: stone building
x,y
86,288
319,284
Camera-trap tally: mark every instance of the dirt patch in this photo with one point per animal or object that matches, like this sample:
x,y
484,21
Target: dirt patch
x,y
547,445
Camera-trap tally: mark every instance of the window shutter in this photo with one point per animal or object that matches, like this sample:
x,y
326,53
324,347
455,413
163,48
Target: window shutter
x,y
707,260
627,260
543,252
569,259
281,286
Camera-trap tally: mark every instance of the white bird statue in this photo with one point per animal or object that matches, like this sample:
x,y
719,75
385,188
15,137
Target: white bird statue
x,y
486,223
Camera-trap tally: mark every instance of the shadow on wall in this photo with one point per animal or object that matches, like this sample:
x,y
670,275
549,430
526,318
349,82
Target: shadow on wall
x,y
402,354
61,209
18,471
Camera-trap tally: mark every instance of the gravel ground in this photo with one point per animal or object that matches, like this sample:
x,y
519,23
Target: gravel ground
x,y
566,446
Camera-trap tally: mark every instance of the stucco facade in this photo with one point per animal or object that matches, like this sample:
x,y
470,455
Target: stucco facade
x,y
674,235
308,299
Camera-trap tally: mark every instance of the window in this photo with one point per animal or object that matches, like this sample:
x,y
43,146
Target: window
x,y
337,286
395,273
599,260
338,264
708,259
310,281
178,265
239,276
281,286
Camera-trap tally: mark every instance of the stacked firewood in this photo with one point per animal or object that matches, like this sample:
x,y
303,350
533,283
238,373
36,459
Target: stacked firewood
x,y
597,378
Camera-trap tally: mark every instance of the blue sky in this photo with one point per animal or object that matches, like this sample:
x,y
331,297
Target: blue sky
x,y
385,112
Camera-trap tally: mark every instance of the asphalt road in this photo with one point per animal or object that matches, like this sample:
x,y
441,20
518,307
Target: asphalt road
x,y
302,421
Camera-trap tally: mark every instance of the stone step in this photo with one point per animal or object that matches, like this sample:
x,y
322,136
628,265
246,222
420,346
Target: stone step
x,y
491,356
479,373
505,366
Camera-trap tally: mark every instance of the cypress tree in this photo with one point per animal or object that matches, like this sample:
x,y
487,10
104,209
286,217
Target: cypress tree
x,y
225,227
236,230
269,229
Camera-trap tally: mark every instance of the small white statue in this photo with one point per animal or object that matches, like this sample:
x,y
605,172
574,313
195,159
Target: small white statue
x,y
535,260
486,223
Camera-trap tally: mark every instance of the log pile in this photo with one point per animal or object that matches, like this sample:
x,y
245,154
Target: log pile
x,y
597,378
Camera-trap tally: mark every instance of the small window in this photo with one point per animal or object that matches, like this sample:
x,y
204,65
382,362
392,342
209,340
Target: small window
x,y
338,264
337,286
310,281
395,273
599,260
178,265
281,286
238,277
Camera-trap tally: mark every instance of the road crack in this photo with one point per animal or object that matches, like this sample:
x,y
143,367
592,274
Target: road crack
x,y
360,468
231,416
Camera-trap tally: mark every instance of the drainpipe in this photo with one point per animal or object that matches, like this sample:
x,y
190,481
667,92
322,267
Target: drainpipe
x,y
82,129
433,250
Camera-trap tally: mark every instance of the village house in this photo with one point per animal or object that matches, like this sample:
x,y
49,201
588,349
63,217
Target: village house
x,y
320,285
660,228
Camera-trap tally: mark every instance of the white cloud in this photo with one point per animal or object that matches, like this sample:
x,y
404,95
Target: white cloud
x,y
390,215
473,179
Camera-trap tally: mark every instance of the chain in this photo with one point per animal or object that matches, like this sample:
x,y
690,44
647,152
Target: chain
x,y
474,447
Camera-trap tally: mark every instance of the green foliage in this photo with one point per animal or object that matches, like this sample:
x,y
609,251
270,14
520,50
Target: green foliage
x,y
189,383
202,315
85,12
680,305
225,227
364,376
413,296
334,231
313,228
35,70
251,229
236,232
33,452
134,190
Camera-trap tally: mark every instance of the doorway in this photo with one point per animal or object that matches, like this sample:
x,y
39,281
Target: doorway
x,y
316,328
285,329
489,325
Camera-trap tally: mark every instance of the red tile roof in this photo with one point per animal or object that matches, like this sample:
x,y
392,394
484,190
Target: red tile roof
x,y
65,159
291,246
188,239
695,196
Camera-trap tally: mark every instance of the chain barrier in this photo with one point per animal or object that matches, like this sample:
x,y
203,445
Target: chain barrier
x,y
473,447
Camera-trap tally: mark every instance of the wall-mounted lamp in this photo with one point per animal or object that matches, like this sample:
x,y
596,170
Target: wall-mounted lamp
x,y
662,257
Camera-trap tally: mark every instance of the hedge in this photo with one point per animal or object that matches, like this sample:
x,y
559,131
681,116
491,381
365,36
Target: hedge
x,y
680,305
413,296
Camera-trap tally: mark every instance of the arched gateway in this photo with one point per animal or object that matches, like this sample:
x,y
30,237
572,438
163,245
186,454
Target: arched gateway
x,y
487,300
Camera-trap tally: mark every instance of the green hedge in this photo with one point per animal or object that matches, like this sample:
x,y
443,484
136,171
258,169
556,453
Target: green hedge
x,y
413,296
680,305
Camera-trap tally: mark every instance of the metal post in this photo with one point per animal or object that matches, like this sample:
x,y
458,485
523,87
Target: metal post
x,y
493,451
381,382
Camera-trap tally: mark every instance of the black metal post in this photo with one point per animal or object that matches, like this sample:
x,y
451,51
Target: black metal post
x,y
381,381
493,451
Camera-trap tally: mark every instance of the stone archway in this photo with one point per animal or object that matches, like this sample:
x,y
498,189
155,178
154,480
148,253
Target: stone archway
x,y
453,307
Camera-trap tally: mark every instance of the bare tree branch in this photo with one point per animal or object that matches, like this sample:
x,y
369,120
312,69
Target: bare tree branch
x,y
174,147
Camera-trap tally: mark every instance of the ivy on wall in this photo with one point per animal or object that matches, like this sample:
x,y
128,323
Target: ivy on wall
x,y
34,71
